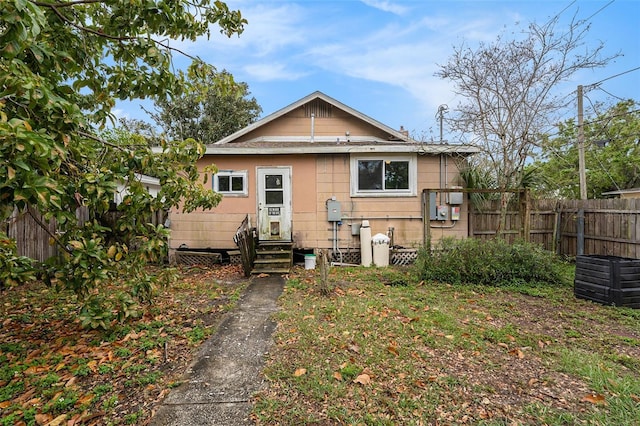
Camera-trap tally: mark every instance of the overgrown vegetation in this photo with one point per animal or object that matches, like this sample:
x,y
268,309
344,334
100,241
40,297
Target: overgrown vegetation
x,y
53,371
387,347
63,65
16,269
491,262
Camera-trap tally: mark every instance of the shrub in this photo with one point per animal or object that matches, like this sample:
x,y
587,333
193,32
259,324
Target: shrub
x,y
489,262
14,269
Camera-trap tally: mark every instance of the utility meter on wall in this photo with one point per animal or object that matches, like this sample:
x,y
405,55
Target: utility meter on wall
x,y
443,212
334,213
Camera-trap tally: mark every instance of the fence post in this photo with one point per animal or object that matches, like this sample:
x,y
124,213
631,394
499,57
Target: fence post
x,y
525,207
580,232
557,231
471,217
426,220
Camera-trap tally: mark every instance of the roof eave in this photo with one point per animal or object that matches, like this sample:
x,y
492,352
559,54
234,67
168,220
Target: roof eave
x,y
344,149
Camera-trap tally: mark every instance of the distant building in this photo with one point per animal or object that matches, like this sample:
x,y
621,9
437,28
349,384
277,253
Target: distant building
x,y
623,193
151,184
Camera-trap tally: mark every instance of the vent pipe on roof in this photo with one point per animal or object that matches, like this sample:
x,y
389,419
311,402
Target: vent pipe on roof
x,y
313,124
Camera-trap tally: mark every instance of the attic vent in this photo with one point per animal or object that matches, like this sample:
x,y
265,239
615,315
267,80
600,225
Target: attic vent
x,y
319,108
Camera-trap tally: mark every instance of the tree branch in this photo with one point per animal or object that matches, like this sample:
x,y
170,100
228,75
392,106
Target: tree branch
x,y
65,4
54,8
46,229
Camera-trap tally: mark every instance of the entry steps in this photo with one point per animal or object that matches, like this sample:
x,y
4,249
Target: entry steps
x,y
273,257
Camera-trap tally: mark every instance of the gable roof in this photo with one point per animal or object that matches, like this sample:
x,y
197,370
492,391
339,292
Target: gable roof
x,y
396,142
394,134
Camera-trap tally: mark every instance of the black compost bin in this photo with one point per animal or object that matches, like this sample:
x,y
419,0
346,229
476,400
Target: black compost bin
x,y
610,280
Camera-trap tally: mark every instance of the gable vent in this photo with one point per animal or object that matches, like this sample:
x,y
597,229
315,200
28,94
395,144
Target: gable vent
x,y
318,108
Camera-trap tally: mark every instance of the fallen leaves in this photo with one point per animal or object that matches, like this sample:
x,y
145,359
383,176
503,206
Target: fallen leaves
x,y
393,348
300,372
594,398
363,379
517,352
60,374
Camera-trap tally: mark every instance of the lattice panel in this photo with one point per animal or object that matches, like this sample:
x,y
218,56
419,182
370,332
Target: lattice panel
x,y
235,258
352,257
197,258
403,256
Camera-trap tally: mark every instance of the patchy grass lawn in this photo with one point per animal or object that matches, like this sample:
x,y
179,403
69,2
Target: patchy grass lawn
x,y
382,349
54,372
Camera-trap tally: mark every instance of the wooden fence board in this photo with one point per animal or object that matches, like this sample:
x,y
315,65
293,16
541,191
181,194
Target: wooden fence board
x,y
611,226
33,234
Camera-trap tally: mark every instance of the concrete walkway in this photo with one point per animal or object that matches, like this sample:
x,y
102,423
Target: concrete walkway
x,y
227,370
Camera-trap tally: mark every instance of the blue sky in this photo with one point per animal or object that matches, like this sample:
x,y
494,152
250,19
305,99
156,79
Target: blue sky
x,y
380,56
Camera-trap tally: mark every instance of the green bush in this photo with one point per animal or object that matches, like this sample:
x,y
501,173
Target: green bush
x,y
489,262
14,269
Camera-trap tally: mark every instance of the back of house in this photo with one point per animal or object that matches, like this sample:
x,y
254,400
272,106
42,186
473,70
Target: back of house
x,y
311,173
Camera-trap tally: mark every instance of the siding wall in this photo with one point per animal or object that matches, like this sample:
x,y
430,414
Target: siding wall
x,y
315,179
295,123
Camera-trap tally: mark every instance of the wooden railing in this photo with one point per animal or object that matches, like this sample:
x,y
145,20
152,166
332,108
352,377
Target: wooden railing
x,y
246,241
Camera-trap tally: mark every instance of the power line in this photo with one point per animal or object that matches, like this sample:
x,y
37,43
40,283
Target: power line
x,y
600,10
613,76
611,94
560,13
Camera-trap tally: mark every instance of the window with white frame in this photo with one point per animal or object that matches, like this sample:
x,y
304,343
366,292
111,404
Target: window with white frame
x,y
231,182
383,176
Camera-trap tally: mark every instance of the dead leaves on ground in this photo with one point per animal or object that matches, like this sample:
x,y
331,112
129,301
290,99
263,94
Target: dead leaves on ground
x,y
53,372
465,360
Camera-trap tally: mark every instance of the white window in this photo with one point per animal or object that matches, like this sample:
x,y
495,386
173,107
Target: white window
x,y
383,176
231,182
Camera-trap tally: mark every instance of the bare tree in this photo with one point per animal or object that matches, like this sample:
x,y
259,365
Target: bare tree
x,y
507,91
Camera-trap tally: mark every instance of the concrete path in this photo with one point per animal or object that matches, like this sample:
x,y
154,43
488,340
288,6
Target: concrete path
x,y
227,370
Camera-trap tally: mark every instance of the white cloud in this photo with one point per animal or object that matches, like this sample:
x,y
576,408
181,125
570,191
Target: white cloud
x,y
271,72
386,6
270,30
120,113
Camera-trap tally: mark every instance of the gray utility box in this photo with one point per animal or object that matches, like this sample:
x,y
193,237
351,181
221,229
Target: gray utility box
x,y
334,214
608,280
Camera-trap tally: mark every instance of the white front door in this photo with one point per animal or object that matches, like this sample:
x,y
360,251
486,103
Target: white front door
x,y
274,203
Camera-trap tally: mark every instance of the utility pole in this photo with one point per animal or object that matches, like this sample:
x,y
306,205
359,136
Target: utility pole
x,y
581,165
583,176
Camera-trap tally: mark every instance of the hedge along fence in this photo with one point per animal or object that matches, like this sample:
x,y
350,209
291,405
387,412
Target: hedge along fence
x,y
609,227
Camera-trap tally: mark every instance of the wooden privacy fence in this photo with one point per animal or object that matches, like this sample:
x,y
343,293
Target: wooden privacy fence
x,y
609,227
33,234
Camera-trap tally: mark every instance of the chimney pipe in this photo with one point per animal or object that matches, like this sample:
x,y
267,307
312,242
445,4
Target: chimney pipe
x,y
313,126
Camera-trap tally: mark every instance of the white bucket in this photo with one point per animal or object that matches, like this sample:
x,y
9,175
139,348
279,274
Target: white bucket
x,y
309,261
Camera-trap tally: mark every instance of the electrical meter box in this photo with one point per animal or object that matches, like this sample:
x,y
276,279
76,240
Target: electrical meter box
x,y
456,197
455,213
433,200
334,214
443,212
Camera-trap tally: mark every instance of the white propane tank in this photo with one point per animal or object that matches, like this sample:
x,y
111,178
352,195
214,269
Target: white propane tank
x,y
366,254
380,244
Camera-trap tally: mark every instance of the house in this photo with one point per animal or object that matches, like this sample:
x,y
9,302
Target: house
x,y
623,193
312,172
151,184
